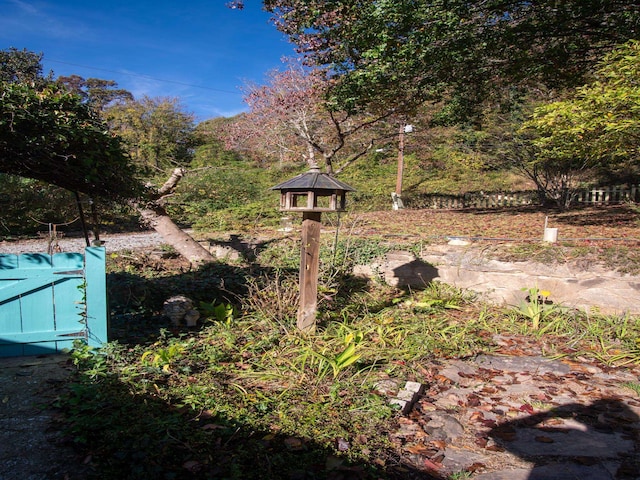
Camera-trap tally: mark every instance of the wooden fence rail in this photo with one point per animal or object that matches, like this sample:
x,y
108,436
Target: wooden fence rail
x,y
594,196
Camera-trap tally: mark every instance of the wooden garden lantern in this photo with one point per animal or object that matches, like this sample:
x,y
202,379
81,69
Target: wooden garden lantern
x,y
311,193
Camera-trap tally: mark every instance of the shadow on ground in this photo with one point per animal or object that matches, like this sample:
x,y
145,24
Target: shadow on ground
x,y
593,441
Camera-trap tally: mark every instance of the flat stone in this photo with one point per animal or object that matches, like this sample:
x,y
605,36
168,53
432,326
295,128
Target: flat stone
x,y
456,460
523,364
443,426
556,471
531,442
454,368
414,387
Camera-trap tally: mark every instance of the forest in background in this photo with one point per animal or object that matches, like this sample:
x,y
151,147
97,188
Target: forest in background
x,y
508,108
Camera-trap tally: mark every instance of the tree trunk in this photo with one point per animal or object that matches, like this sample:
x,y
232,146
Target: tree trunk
x,y
155,215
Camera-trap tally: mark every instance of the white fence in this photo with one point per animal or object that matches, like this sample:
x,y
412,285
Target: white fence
x,y
599,196
613,194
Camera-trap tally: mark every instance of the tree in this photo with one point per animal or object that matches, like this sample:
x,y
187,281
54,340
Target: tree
x,y
159,137
95,91
396,54
49,134
158,133
291,120
598,126
21,66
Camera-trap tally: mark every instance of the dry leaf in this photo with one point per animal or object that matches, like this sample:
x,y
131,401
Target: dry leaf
x,y
477,416
433,466
294,444
527,408
481,442
192,465
438,444
419,449
474,467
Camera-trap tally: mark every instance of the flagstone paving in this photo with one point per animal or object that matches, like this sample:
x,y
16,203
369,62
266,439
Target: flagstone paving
x,y
524,417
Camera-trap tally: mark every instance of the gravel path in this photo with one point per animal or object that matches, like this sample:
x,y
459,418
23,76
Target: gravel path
x,y
113,243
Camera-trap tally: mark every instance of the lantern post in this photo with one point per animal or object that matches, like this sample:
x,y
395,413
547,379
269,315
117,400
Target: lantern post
x,y
311,193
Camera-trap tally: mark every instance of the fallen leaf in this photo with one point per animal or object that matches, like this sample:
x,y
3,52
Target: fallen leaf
x,y
442,379
543,439
477,416
361,439
192,465
489,423
527,408
438,444
293,444
419,449
342,445
494,447
474,467
473,400
429,465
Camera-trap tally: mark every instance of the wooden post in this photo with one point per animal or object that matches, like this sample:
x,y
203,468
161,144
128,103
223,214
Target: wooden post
x,y
309,261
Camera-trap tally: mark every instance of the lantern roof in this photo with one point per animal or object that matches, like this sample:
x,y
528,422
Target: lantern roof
x,y
314,180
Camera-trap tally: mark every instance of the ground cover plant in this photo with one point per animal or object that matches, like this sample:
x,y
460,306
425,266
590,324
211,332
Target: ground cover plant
x,y
245,395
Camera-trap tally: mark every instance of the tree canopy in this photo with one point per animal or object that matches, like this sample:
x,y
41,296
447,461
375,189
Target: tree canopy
x,y
289,121
50,135
21,66
158,133
599,124
95,91
399,53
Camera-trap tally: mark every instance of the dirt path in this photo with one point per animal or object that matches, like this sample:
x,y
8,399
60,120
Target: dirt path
x,y
32,446
113,243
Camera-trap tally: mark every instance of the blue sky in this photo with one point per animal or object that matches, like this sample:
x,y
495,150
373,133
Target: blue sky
x,y
199,51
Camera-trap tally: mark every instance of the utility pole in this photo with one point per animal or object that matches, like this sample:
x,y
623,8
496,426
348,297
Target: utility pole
x,y
397,195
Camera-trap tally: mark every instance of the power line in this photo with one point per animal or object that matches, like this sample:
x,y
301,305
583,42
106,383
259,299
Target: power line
x,y
145,76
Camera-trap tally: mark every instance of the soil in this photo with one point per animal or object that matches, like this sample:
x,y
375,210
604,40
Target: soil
x,y
33,447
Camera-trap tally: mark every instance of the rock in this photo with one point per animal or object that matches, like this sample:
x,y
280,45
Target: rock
x,y
179,309
442,426
571,285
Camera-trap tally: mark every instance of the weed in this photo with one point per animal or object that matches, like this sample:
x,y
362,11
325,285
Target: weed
x,y
537,306
220,312
273,297
164,357
461,475
635,386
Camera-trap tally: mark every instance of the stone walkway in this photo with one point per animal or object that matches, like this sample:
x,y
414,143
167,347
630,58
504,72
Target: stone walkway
x,y
507,417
